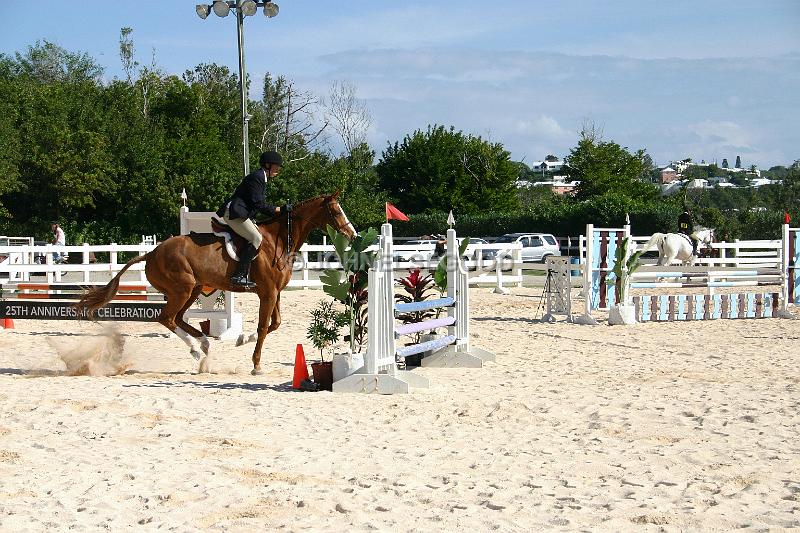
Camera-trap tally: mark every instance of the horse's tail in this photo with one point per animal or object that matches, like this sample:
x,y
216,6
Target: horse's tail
x,y
96,298
656,240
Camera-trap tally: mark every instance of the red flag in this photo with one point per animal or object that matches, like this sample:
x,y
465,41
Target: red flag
x,y
393,213
786,218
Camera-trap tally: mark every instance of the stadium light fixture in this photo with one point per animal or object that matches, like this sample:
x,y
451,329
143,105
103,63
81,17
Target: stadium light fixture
x,y
202,10
270,9
248,8
221,8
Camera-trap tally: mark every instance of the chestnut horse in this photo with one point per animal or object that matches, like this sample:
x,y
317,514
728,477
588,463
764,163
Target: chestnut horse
x,y
180,266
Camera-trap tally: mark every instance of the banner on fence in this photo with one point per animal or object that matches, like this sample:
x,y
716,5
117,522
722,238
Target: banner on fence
x,y
134,312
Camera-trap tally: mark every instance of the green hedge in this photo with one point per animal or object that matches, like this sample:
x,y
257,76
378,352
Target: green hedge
x,y
571,220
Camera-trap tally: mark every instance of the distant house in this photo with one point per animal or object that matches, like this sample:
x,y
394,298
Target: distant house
x,y
758,182
697,184
668,175
547,166
559,185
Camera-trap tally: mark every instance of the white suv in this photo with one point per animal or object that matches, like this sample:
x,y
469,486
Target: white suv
x,y
535,246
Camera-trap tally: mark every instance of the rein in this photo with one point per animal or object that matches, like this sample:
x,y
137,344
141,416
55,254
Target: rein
x,y
289,216
282,264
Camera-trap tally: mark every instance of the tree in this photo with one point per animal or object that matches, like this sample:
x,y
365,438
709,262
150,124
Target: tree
x,y
349,116
126,52
606,167
47,62
550,158
287,120
443,169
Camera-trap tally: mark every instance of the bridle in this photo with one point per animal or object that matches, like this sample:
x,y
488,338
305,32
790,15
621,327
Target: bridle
x,y
289,209
334,216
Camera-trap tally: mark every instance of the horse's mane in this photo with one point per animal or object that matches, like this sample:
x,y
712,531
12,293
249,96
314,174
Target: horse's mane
x,y
294,206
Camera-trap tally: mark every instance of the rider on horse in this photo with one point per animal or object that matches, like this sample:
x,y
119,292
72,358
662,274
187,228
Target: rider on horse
x,y
248,201
686,227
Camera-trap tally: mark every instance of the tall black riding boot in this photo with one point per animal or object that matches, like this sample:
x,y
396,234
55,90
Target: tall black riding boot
x,y
694,246
241,274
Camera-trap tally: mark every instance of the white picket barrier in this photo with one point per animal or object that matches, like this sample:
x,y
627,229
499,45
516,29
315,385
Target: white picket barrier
x,y
20,265
379,373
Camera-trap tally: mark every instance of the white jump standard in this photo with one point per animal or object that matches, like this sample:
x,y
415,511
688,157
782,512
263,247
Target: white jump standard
x,y
379,373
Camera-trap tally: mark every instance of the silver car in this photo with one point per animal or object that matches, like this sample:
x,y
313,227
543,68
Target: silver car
x,y
535,246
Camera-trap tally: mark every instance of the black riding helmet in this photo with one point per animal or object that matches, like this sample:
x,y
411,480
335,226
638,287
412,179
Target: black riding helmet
x,y
270,158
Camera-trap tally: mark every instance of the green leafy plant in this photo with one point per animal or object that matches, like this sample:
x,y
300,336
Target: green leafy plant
x,y
350,287
624,266
326,323
417,288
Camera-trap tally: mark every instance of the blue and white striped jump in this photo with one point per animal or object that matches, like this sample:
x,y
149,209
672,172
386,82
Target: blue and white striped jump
x,y
680,307
601,286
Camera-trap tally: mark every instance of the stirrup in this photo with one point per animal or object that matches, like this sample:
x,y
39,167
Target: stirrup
x,y
242,281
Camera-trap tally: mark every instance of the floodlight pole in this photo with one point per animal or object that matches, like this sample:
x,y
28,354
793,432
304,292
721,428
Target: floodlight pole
x,y
270,10
243,90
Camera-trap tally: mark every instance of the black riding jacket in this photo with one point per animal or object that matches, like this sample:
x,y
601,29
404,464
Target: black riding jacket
x,y
685,224
248,198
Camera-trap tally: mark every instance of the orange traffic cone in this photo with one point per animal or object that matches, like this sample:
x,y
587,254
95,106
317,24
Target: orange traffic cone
x,y
300,367
8,323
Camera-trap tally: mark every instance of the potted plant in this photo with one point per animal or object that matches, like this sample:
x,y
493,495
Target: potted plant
x,y
624,313
350,287
324,332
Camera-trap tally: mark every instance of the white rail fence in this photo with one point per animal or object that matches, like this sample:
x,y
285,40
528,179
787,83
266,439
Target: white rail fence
x,y
736,254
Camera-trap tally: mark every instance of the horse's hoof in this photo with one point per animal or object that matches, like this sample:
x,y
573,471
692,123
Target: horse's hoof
x,y
257,372
204,366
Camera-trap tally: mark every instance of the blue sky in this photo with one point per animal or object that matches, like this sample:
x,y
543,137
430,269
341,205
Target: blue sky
x,y
707,79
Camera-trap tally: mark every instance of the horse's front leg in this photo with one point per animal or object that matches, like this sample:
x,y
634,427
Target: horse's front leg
x,y
267,304
275,319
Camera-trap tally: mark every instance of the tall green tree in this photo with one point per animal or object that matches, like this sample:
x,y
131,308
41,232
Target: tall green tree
x,y
442,169
604,167
10,154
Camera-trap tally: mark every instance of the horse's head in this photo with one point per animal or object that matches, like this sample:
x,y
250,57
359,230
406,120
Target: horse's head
x,y
705,236
336,216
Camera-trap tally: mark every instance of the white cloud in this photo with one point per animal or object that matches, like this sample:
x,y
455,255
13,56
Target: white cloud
x,y
536,101
543,126
723,134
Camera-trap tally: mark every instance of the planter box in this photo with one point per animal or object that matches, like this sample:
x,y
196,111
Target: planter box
x,y
622,315
345,364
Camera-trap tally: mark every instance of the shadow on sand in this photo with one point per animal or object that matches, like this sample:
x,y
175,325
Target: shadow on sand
x,y
251,387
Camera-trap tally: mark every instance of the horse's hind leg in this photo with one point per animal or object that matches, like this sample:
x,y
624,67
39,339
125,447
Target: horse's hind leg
x,y
176,299
194,332
188,328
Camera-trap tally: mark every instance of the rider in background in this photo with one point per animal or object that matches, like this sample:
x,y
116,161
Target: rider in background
x,y
686,226
248,201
